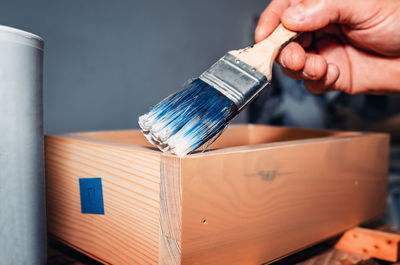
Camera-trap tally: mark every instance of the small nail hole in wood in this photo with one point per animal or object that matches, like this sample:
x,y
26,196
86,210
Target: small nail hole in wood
x,y
204,222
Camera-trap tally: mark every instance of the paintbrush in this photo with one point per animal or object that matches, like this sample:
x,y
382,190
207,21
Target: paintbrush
x,y
198,114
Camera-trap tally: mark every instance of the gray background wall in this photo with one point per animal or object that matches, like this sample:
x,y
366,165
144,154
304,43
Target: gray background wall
x,y
107,62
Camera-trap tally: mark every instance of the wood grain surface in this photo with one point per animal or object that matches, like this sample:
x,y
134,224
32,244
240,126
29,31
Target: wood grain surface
x,y
128,232
254,206
260,194
170,211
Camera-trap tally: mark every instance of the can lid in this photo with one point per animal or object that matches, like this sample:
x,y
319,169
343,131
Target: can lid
x,y
21,36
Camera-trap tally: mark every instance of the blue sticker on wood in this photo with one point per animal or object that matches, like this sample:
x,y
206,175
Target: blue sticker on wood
x,y
91,195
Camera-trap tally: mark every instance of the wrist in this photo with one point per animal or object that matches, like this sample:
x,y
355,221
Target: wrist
x,y
386,79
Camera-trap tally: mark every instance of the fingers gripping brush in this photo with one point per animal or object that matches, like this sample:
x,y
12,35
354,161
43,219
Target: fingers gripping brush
x,y
191,117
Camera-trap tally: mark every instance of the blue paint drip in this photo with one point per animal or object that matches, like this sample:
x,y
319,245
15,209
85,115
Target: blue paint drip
x,y
91,193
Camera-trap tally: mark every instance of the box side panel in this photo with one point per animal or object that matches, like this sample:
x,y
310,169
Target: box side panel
x,y
128,231
260,134
234,136
134,137
255,207
170,211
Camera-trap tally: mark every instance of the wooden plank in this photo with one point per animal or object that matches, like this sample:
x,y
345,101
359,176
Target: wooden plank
x,y
251,206
325,254
235,135
128,232
133,137
170,211
339,257
259,134
374,243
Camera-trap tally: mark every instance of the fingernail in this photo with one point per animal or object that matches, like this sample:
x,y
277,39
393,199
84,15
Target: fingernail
x,y
308,75
296,12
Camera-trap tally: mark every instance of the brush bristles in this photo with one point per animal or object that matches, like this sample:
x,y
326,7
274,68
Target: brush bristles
x,y
187,119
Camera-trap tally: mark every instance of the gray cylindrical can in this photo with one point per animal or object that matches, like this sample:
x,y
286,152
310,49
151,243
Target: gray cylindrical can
x,y
22,186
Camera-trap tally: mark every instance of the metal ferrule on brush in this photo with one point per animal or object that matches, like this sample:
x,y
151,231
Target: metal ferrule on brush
x,y
235,79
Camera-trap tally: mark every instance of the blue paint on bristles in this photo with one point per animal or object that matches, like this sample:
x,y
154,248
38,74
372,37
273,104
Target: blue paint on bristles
x,y
198,114
188,119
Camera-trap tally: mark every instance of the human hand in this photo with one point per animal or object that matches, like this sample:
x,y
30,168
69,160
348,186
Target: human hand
x,y
347,45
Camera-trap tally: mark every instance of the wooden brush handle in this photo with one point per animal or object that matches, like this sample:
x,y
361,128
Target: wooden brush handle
x,y
262,55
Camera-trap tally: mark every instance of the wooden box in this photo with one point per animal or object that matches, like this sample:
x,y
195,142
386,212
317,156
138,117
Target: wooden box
x,y
261,194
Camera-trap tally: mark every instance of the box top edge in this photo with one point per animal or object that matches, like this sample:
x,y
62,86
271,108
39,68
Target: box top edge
x,y
226,150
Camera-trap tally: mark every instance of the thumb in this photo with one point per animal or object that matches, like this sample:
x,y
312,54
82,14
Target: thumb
x,y
310,15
